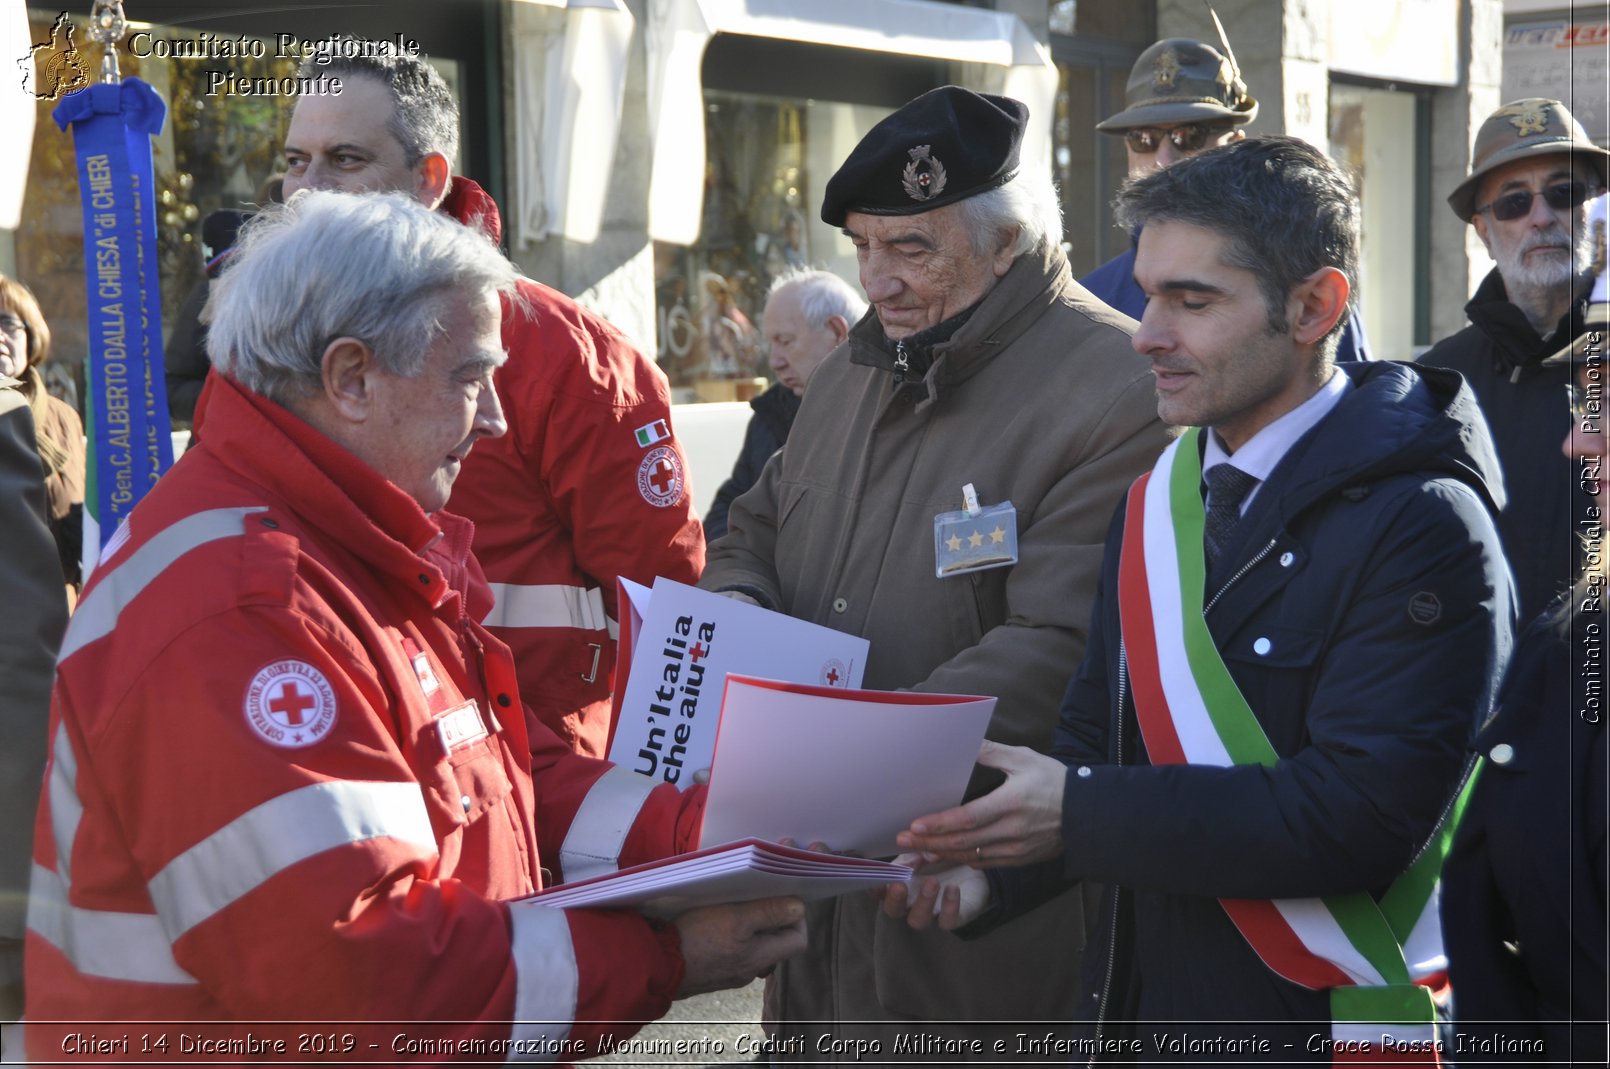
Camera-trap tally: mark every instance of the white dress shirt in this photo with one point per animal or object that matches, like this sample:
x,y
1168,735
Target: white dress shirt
x,y
1260,453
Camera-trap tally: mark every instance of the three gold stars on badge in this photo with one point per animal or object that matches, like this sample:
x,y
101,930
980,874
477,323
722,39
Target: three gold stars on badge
x,y
976,539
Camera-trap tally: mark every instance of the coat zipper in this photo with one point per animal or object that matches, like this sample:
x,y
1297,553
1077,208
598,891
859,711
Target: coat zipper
x,y
1447,808
1112,919
1123,679
1245,568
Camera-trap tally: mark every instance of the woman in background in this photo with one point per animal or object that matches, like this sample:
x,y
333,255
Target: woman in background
x,y
24,345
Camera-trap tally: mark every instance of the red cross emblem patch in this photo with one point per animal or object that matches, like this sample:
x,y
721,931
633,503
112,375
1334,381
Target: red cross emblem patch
x,y
659,477
291,704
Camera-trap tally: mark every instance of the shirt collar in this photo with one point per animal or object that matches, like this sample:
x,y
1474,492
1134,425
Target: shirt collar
x,y
1260,453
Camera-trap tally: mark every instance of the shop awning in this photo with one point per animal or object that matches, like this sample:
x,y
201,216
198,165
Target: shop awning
x,y
570,59
569,77
16,113
1011,62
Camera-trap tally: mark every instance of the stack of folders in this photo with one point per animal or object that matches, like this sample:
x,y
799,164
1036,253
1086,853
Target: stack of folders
x,y
732,872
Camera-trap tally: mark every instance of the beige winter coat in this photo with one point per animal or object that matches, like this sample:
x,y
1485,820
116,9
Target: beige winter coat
x,y
1038,400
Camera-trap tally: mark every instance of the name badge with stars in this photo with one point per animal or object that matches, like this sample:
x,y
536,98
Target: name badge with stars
x,y
975,539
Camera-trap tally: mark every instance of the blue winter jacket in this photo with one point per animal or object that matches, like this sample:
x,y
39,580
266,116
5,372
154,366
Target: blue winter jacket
x,y
1370,564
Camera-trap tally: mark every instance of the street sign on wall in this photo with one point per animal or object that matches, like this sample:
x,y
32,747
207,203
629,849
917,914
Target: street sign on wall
x,y
1560,60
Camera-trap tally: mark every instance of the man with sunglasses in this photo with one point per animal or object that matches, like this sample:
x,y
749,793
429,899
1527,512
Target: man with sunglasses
x,y
1183,97
1533,171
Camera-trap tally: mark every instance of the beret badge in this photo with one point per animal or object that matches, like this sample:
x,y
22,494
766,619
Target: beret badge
x,y
924,176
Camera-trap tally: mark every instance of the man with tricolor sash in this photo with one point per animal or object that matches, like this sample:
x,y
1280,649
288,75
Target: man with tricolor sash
x,y
1303,613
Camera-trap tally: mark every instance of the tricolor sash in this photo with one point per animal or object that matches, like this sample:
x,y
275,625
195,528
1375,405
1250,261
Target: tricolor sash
x,y
1377,959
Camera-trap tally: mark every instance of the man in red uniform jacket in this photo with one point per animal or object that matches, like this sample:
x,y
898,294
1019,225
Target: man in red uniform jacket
x,y
589,483
291,778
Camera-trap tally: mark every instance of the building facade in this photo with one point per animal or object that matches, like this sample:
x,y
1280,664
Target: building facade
x,y
663,160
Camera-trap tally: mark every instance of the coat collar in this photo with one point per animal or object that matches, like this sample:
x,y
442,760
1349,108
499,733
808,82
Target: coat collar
x,y
471,205
1515,341
1032,284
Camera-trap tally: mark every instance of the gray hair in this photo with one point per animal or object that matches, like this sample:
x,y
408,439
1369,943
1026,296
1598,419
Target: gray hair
x,y
1284,209
375,266
424,118
822,295
1028,202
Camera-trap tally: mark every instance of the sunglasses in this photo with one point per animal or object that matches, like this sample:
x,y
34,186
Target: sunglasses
x,y
1561,197
1192,137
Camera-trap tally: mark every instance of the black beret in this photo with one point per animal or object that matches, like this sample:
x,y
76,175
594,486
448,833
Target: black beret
x,y
945,146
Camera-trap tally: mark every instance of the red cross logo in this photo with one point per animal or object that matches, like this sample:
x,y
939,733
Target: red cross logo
x,y
663,477
833,677
698,653
292,703
660,478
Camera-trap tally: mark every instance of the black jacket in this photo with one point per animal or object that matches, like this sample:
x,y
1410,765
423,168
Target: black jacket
x,y
767,431
1524,891
1369,563
1528,413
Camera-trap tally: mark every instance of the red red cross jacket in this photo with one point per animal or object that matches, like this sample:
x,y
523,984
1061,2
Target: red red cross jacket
x,y
291,780
588,484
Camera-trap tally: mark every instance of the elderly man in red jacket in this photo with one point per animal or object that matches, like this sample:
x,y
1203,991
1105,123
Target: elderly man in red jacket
x,y
589,483
291,777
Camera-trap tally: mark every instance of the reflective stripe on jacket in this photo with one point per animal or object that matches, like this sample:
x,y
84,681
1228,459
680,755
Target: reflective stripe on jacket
x,y
292,779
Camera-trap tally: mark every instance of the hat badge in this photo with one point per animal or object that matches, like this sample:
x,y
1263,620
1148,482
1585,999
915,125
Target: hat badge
x,y
924,176
1529,120
1165,69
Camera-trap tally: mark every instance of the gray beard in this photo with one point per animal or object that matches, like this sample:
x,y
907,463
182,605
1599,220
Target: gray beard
x,y
1542,289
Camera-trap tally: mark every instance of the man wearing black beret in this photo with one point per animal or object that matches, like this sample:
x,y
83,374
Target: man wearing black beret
x,y
983,366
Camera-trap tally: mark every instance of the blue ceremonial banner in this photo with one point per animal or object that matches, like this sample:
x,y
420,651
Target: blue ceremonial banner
x,y
126,405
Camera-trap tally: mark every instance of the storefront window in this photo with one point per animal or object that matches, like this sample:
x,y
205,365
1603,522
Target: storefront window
x,y
1373,135
1089,166
766,161
1094,46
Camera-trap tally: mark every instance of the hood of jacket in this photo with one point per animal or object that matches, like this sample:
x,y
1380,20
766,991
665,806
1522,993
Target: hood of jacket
x,y
1032,284
473,206
1398,418
1515,341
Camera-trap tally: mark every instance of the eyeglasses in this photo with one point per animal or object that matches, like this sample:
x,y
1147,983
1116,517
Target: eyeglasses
x,y
1192,137
1561,197
10,324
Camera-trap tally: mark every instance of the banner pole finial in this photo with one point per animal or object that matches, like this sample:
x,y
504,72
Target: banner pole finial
x,y
106,27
